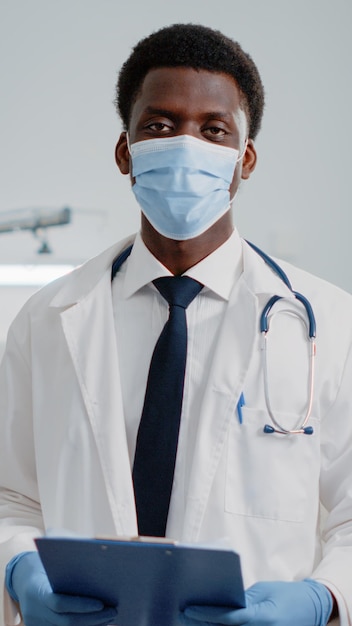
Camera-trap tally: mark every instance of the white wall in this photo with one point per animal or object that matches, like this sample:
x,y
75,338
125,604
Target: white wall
x,y
59,62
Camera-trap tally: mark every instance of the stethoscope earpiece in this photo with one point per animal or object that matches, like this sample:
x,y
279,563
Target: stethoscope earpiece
x,y
308,430
268,429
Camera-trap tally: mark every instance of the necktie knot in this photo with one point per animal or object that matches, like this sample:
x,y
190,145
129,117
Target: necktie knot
x,y
178,290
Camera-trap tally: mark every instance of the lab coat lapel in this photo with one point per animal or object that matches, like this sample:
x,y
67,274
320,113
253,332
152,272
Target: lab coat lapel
x,y
238,339
225,383
88,326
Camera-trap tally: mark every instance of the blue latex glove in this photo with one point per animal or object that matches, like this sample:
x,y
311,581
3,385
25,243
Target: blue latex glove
x,y
306,603
28,584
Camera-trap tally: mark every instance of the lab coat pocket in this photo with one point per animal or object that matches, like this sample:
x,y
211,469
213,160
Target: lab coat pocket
x,y
270,475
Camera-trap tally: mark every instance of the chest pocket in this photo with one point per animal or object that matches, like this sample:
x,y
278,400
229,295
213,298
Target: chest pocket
x,y
268,475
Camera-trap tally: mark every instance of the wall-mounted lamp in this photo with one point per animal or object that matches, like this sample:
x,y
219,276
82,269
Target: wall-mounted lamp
x,y
36,221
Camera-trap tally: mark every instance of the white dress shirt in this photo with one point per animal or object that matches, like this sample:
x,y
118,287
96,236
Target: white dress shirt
x,y
140,313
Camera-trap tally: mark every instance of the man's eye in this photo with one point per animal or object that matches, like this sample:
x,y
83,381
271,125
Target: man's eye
x,y
158,127
215,130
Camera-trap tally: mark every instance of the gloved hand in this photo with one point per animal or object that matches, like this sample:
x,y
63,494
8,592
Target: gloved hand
x,y
305,603
28,584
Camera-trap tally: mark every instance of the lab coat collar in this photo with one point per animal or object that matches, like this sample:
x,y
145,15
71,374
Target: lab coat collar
x,y
260,278
85,277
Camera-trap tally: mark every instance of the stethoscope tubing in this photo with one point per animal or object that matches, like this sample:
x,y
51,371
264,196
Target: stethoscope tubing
x,y
301,427
264,329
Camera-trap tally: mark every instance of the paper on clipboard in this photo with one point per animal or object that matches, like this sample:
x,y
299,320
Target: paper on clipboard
x,y
149,581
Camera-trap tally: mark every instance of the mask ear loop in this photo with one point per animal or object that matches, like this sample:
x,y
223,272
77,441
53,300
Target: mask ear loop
x,y
129,147
243,152
128,142
238,160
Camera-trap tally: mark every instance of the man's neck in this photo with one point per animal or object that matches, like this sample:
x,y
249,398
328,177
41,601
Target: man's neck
x,y
179,256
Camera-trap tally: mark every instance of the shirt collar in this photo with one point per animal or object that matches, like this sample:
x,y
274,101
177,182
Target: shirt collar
x,y
142,267
222,268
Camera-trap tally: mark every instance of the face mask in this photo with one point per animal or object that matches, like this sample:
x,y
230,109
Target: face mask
x,y
182,183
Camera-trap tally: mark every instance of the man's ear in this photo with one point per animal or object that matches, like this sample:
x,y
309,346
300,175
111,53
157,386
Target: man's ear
x,y
122,155
249,160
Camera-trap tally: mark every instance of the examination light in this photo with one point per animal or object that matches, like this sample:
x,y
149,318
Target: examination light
x,y
33,219
36,221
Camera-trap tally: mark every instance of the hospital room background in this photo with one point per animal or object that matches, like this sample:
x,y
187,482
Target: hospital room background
x,y
58,127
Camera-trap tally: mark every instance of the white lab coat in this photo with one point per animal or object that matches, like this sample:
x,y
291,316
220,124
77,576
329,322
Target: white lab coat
x,y
63,455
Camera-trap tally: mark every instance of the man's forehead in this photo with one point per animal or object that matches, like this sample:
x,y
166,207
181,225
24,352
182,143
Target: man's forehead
x,y
185,74
185,90
218,91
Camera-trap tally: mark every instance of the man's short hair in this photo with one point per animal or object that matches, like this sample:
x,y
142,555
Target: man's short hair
x,y
198,47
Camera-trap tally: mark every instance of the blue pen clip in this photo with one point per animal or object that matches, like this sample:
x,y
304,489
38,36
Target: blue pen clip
x,y
240,404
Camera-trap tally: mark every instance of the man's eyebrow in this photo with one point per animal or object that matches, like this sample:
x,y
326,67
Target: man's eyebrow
x,y
158,111
219,115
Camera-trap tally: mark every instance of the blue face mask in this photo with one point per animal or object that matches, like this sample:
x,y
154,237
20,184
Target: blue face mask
x,y
182,183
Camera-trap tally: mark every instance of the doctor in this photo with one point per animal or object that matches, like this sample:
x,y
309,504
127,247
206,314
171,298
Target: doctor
x,y
75,371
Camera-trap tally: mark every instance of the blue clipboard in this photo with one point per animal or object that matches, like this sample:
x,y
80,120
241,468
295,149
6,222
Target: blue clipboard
x,y
150,582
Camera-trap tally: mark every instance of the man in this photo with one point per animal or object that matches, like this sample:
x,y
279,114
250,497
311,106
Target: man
x,y
74,380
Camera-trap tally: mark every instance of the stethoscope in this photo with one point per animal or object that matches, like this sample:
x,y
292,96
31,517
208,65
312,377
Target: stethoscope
x,y
264,325
310,323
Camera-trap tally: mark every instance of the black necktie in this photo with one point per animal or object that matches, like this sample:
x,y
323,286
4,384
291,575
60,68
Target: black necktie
x,y
157,438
